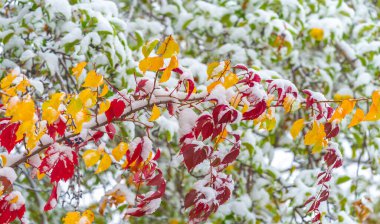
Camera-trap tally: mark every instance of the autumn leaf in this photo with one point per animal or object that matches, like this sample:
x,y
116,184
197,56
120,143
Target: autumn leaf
x,y
148,47
374,110
317,33
297,127
91,157
316,137
93,80
358,117
78,69
119,151
230,80
155,113
343,110
104,91
212,86
218,69
104,164
167,72
104,106
168,48
288,103
151,64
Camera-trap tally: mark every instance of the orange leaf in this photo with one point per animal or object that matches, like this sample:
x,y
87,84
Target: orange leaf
x,y
172,65
343,110
212,86
358,117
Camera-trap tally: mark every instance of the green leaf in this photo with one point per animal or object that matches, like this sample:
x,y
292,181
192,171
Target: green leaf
x,y
343,179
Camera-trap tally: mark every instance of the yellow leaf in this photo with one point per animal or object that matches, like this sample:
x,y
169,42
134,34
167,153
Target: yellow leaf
x,y
230,80
172,65
316,137
221,137
77,70
119,151
104,106
245,108
93,80
168,48
218,69
71,218
89,215
341,112
297,127
74,106
6,82
104,91
155,113
91,157
317,33
104,164
151,64
40,175
88,97
21,110
50,115
148,47
212,86
3,160
374,110
288,102
358,117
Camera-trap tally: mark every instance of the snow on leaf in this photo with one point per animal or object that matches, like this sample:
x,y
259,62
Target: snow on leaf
x,y
12,206
343,110
297,127
60,162
53,199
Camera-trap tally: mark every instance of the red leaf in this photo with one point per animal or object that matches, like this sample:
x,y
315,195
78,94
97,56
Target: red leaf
x,y
331,131
61,127
205,126
190,198
190,89
231,156
110,130
171,109
53,199
116,109
194,155
256,111
10,211
60,162
8,136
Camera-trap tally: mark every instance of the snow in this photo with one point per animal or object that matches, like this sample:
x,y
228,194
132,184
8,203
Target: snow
x,y
8,173
186,119
18,203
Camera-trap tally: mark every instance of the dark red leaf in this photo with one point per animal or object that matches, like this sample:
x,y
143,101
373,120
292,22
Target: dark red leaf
x,y
8,136
110,130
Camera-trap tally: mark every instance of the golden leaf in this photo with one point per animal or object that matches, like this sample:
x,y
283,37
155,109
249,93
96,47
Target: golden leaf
x,y
317,33
104,164
91,157
358,117
168,48
172,65
230,80
93,80
119,151
297,127
155,113
151,64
